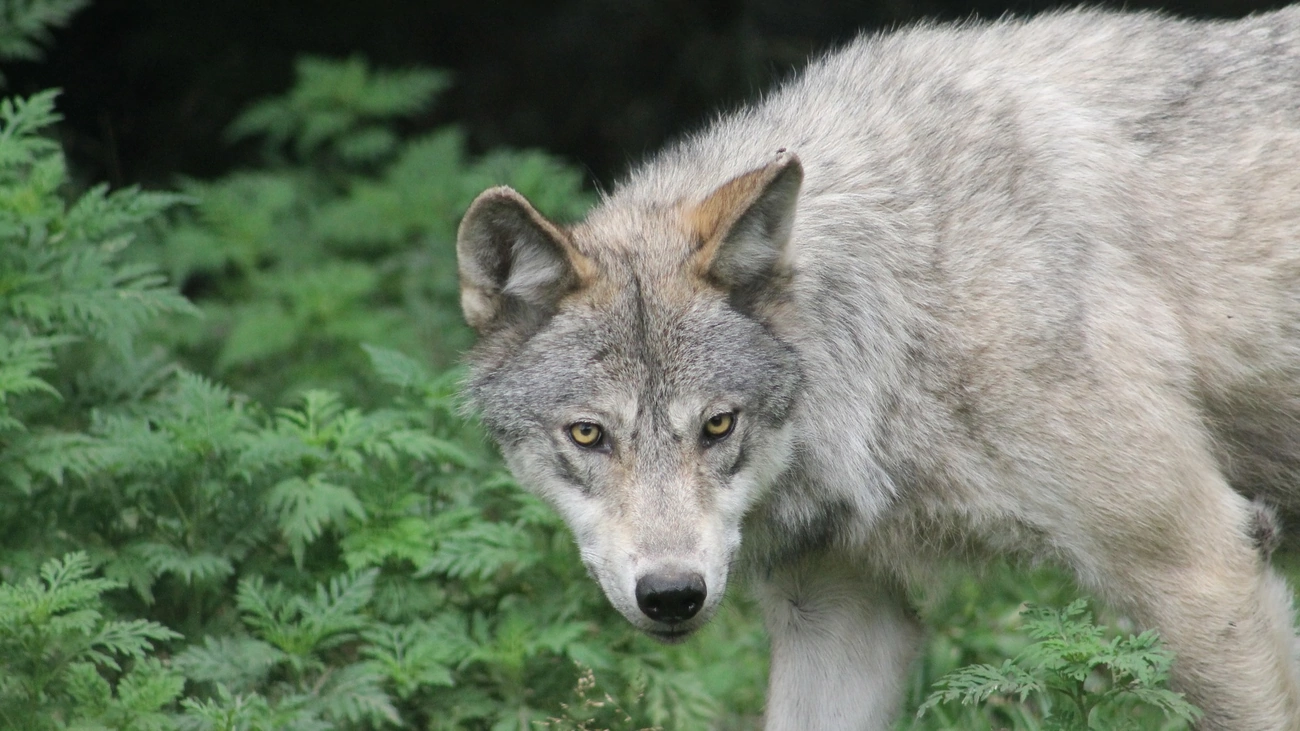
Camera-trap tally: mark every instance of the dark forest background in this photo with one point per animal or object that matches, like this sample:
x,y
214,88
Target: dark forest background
x,y
150,84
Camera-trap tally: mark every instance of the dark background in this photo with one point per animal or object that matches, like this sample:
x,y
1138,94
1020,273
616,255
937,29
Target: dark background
x,y
150,84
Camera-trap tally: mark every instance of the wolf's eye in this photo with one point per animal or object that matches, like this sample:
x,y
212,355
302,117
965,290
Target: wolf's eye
x,y
719,426
586,434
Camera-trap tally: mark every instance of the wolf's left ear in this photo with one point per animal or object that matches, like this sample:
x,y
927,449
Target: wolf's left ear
x,y
512,260
744,226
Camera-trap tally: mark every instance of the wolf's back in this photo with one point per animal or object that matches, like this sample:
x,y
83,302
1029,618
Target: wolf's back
x,y
1160,81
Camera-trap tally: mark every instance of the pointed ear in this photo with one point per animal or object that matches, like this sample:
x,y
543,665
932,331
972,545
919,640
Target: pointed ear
x,y
744,226
509,255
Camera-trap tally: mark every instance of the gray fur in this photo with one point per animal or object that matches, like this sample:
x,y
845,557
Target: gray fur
x,y
1039,294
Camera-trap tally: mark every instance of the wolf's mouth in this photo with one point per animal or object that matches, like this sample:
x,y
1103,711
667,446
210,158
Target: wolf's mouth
x,y
670,636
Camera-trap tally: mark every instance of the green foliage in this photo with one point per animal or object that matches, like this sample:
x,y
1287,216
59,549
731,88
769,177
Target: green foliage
x,y
25,25
66,296
54,644
343,105
344,238
295,661
1082,680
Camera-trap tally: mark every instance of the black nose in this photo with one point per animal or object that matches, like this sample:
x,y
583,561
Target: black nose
x,y
670,597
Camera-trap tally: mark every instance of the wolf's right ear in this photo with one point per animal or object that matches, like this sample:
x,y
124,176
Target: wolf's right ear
x,y
743,227
508,254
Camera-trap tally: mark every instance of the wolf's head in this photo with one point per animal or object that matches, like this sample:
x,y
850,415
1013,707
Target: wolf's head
x,y
628,368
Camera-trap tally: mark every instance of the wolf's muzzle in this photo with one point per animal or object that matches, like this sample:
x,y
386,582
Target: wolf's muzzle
x,y
670,597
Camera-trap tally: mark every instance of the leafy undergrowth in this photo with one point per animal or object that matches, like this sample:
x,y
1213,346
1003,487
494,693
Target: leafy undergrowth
x,y
266,478
1077,677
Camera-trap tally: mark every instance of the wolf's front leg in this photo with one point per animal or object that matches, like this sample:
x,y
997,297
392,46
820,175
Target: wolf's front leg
x,y
842,641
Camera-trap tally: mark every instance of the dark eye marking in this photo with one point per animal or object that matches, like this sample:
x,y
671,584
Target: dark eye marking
x,y
741,458
569,471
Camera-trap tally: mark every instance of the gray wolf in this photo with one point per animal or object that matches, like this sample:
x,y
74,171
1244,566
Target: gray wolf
x,y
1029,288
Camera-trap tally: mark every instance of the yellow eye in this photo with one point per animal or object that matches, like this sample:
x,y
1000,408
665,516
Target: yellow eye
x,y
586,434
719,425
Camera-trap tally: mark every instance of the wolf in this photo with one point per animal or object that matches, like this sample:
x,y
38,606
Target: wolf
x,y
1027,288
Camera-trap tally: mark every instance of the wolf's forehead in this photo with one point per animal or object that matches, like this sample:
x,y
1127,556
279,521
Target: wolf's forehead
x,y
676,343
639,327
649,229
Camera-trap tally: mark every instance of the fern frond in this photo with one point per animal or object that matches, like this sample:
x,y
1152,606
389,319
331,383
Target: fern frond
x,y
187,566
397,369
51,455
407,539
410,656
354,693
304,508
977,683
20,122
142,694
481,551
671,698
132,638
25,25
239,663
332,98
337,611
99,213
302,626
21,358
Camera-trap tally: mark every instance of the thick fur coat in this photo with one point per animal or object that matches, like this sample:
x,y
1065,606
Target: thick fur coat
x,y
1030,287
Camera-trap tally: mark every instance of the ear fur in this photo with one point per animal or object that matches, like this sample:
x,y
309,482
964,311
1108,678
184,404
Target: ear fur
x,y
508,253
744,226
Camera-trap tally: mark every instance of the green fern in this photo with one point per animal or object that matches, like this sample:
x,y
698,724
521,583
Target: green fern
x,y
55,643
1086,681
339,102
25,25
240,664
297,633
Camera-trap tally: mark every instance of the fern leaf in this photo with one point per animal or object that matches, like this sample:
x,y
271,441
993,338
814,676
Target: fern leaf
x,y
481,551
131,638
302,626
397,369
416,655
20,121
188,567
408,539
67,584
25,25
977,683
229,711
1168,701
89,691
337,611
355,694
99,213
143,693
671,698
331,98
239,663
305,508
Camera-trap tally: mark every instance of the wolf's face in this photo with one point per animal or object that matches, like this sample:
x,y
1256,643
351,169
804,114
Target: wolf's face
x,y
626,371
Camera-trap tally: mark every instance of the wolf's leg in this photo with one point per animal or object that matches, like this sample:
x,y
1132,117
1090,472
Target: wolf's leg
x,y
841,645
1180,557
1228,620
